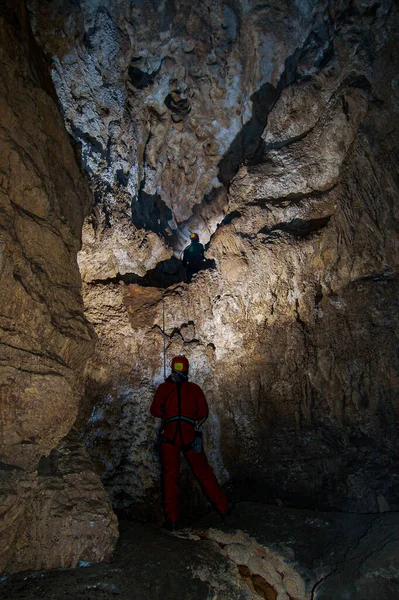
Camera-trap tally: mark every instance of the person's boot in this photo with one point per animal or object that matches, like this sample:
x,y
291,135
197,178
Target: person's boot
x,y
171,525
228,518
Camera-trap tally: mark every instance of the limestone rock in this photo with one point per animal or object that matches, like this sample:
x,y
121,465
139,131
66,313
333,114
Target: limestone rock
x,y
310,165
120,252
149,564
45,337
302,554
17,489
58,517
293,329
157,99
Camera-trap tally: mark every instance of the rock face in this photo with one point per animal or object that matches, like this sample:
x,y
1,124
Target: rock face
x,y
158,96
293,332
66,507
45,338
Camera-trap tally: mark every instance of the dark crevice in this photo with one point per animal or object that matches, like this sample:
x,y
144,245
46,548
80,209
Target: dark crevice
x,y
335,568
354,80
248,142
280,144
6,467
17,17
178,103
122,178
167,273
387,275
140,78
43,355
94,144
230,218
293,198
298,317
34,294
149,212
319,294
298,227
257,583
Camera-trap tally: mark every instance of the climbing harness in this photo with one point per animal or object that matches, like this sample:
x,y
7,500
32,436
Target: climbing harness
x,y
177,418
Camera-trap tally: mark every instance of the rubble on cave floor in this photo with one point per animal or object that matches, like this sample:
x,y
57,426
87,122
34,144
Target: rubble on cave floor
x,y
266,552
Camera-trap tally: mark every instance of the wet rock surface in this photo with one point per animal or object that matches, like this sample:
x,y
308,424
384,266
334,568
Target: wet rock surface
x,y
266,552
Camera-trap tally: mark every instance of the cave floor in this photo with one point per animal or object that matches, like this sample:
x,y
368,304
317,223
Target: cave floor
x,y
265,552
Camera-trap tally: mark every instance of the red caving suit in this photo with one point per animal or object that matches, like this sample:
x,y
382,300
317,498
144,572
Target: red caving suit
x,y
179,435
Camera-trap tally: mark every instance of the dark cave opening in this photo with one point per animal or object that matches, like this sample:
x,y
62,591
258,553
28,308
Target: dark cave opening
x,y
299,227
166,274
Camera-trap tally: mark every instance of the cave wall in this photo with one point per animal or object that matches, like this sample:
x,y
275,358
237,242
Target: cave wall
x,y
45,337
293,333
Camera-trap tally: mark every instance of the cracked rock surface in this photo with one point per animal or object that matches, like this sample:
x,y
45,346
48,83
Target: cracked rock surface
x,y
45,338
158,96
269,552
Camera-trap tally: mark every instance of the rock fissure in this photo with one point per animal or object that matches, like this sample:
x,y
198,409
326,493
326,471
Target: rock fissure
x,y
347,557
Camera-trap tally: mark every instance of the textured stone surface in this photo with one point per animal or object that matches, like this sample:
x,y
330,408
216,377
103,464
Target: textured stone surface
x,y
158,95
62,517
57,517
17,489
148,564
293,332
304,554
270,553
45,339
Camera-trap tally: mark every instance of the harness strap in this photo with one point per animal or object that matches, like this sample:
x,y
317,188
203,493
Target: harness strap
x,y
179,418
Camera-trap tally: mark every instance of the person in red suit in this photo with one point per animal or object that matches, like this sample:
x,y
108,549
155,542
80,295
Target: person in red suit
x,y
181,403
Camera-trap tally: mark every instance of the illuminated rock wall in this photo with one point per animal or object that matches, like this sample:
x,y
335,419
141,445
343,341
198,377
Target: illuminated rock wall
x,y
293,332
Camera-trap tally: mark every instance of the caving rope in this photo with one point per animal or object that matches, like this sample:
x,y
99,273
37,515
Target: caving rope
x,y
163,326
196,445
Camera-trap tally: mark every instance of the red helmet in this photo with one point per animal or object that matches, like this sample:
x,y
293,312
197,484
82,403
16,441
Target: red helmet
x,y
180,364
194,236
